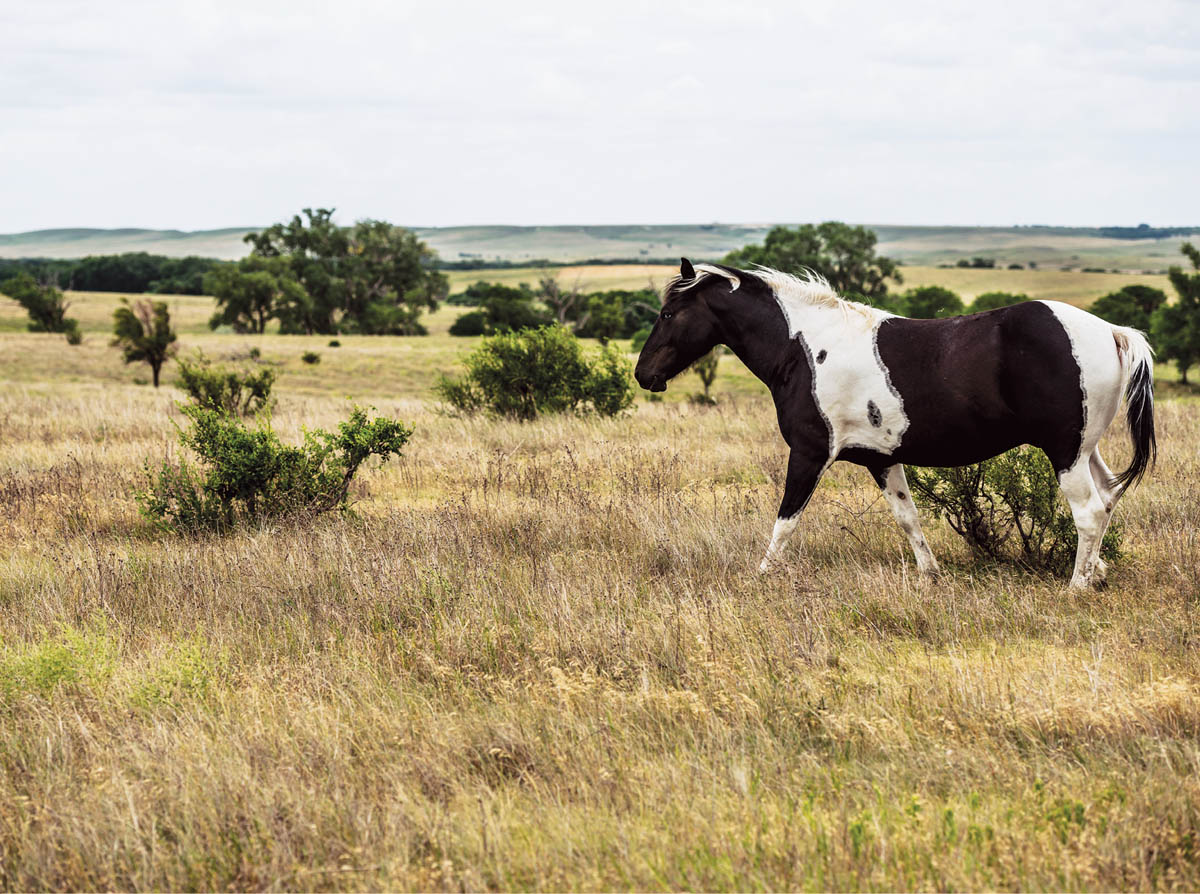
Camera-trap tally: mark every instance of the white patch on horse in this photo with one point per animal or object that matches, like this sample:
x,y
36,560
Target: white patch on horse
x,y
1100,373
851,386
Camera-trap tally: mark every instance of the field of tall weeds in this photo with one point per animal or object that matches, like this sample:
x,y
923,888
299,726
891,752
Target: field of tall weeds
x,y
541,656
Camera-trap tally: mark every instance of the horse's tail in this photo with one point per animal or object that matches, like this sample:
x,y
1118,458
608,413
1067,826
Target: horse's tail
x,y
1137,369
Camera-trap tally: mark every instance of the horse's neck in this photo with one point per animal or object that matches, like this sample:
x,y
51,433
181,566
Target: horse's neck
x,y
763,344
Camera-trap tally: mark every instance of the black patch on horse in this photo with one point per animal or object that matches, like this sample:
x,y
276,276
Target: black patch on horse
x,y
821,355
873,414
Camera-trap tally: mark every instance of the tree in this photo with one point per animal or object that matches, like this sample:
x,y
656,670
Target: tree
x,y
252,292
44,303
843,254
374,278
565,305
994,300
501,309
1131,306
706,368
143,332
1175,328
928,302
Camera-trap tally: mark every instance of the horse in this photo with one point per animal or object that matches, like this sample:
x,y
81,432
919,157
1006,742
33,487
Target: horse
x,y
855,383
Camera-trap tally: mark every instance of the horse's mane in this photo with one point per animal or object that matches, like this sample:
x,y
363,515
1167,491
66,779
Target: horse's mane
x,y
809,287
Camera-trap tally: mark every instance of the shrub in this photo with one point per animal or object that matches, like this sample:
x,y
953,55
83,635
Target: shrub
x,y
640,338
249,475
334,343
229,390
524,374
1008,508
310,357
143,332
928,302
995,300
1134,305
74,333
706,369
473,323
46,306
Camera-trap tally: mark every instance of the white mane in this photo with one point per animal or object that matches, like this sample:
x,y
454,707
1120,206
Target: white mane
x,y
808,289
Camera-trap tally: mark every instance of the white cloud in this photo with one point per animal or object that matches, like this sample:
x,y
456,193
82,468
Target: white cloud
x,y
205,114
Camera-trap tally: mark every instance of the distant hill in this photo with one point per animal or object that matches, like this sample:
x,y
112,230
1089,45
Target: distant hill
x,y
1107,247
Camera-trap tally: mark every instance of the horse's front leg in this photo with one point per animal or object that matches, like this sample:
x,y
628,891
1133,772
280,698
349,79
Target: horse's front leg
x,y
803,473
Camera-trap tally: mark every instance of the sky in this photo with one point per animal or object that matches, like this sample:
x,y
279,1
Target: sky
x,y
196,115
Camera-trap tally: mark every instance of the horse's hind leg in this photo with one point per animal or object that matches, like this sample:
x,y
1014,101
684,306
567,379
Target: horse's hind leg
x,y
1103,478
895,488
1091,513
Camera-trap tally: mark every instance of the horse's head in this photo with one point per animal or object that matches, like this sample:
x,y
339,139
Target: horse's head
x,y
685,330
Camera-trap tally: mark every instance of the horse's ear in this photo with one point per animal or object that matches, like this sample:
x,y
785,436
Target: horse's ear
x,y
686,270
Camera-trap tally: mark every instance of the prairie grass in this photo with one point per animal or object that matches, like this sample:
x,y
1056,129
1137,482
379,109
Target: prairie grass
x,y
541,657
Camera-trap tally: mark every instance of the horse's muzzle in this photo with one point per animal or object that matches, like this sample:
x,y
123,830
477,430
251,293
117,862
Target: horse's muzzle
x,y
656,382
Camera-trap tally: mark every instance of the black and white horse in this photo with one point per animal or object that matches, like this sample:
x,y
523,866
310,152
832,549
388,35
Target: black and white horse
x,y
855,383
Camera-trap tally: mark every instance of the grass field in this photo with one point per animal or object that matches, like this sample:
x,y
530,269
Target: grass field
x,y
541,656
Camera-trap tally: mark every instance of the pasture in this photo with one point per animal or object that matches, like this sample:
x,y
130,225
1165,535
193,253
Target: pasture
x,y
541,656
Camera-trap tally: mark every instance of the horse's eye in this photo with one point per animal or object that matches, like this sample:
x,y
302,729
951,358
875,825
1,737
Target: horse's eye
x,y
666,314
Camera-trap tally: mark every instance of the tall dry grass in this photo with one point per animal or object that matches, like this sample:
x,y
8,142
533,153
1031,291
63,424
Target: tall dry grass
x,y
541,656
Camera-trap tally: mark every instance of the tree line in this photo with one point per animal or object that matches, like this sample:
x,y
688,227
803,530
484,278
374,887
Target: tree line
x,y
129,272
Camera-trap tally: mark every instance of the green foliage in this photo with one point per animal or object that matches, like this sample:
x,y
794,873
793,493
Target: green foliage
x,y
1133,305
639,339
373,278
524,374
141,272
311,358
501,309
929,302
1008,508
706,369
618,313
70,658
843,254
143,332
996,300
252,292
247,475
45,305
473,323
977,263
334,343
232,391
1175,328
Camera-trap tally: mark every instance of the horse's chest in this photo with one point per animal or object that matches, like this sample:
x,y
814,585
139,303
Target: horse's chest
x,y
855,396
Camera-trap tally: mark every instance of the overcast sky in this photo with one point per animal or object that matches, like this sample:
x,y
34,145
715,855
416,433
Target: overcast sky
x,y
195,115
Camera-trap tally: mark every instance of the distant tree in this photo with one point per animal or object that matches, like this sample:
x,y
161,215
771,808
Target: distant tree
x,y
45,305
501,309
1175,328
928,302
143,332
843,254
252,292
374,278
994,300
706,368
565,304
1131,306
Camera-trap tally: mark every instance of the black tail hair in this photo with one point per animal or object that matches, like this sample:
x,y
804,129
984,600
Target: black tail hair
x,y
1139,411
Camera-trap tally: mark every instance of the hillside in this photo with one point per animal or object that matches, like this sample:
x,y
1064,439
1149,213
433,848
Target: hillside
x,y
1047,246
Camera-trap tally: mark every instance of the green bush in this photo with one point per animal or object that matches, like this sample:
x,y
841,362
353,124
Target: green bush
x,y
1008,508
929,302
996,300
640,338
311,357
524,374
706,369
247,475
46,306
473,323
218,388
